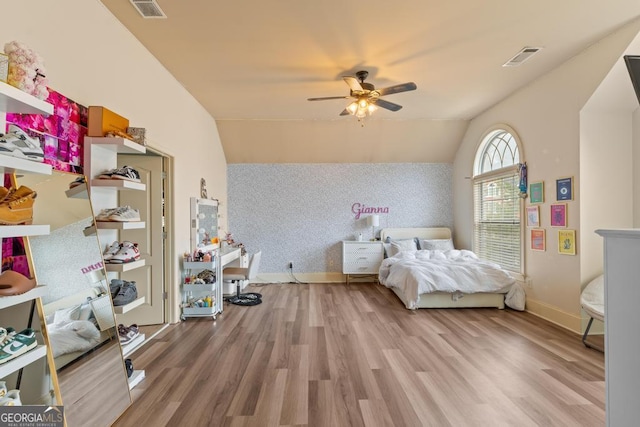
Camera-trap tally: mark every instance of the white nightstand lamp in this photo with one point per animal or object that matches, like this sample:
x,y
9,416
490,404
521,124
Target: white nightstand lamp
x,y
373,221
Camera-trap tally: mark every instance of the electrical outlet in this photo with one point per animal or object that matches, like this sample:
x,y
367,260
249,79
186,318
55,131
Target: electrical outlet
x,y
528,282
290,265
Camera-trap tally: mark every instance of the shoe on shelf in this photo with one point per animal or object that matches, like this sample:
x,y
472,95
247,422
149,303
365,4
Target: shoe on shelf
x,y
127,333
107,174
127,294
4,193
111,251
17,143
19,344
12,398
126,173
78,181
3,389
104,214
125,214
128,252
128,363
5,334
114,287
17,207
14,283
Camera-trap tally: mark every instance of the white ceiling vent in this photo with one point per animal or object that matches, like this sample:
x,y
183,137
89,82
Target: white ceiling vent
x,y
148,8
522,56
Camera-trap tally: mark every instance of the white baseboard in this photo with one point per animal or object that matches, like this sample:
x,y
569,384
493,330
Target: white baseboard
x,y
554,315
302,277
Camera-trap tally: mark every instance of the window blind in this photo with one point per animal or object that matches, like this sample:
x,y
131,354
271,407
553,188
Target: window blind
x,y
497,213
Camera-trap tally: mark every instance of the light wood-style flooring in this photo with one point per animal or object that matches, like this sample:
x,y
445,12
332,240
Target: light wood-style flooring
x,y
332,355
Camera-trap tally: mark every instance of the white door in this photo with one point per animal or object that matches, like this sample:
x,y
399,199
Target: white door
x,y
150,280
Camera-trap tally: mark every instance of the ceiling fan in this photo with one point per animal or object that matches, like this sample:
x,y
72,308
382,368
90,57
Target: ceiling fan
x,y
366,96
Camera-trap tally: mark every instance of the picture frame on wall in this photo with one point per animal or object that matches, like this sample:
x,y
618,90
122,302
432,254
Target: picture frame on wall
x,y
558,215
538,239
536,192
567,242
533,216
564,189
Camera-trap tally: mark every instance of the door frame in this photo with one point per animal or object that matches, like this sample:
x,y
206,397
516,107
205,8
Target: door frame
x,y
171,311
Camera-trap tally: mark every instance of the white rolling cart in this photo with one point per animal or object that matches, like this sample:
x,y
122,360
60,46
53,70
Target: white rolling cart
x,y
193,292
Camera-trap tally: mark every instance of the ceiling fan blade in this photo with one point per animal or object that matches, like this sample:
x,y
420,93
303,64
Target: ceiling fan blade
x,y
345,113
385,104
328,97
404,87
353,83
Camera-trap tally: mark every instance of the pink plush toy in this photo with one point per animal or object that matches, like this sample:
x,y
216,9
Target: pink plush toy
x,y
26,70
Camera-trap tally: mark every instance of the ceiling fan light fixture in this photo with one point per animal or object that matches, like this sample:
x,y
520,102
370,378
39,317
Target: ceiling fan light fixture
x,y
352,108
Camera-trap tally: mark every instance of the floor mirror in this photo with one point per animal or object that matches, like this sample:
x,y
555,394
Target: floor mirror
x,y
79,314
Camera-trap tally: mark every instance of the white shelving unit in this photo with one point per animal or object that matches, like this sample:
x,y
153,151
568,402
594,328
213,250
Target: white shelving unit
x,y
113,225
23,360
127,266
101,154
121,309
132,345
16,101
37,292
118,184
78,192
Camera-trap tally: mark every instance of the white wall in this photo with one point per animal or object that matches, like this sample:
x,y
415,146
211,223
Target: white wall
x,y
545,114
91,58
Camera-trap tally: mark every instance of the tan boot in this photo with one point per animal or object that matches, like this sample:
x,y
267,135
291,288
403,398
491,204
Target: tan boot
x,y
4,192
17,207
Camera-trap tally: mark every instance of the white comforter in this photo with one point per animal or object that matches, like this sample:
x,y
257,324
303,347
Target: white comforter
x,y
423,271
76,335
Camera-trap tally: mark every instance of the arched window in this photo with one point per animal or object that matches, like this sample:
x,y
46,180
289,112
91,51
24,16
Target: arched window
x,y
497,204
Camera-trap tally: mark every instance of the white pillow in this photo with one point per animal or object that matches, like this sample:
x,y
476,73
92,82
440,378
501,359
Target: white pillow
x,y
85,311
396,246
66,315
436,244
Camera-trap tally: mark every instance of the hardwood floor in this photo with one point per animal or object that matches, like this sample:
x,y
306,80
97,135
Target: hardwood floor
x,y
331,355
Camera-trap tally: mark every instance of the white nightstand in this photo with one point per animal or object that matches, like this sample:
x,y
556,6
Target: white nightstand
x,y
361,257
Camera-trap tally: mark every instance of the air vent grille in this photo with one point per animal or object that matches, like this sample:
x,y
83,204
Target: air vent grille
x,y
148,9
522,56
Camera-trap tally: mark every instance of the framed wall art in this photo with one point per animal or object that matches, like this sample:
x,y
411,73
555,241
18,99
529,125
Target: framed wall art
x,y
559,215
536,192
533,216
538,240
564,189
567,242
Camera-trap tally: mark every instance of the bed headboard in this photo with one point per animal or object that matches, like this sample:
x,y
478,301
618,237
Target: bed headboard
x,y
70,301
419,232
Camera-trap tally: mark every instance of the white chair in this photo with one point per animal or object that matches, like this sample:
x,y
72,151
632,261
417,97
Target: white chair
x,y
236,274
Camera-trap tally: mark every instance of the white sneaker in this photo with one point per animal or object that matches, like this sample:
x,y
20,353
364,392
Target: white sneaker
x,y
5,334
12,398
111,251
17,143
128,252
104,214
125,214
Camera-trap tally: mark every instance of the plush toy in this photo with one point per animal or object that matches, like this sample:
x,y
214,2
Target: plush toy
x,y
26,70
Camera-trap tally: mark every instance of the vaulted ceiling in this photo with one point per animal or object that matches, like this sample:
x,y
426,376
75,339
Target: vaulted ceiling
x,y
253,64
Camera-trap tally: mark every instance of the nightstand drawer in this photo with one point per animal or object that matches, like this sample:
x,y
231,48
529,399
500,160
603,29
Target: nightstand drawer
x,y
361,248
358,267
361,257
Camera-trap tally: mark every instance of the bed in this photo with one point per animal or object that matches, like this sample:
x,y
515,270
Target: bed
x,y
592,302
77,324
409,272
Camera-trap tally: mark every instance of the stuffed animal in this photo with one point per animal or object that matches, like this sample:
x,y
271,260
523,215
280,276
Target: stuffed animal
x,y
26,70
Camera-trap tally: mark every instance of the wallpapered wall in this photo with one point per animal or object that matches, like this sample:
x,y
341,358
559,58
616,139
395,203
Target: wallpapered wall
x,y
301,212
